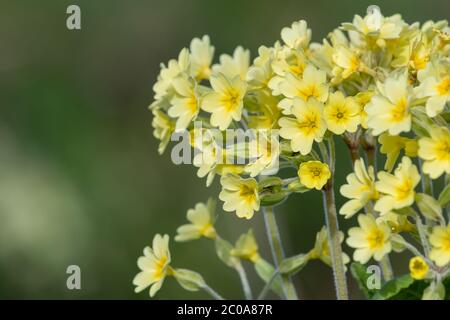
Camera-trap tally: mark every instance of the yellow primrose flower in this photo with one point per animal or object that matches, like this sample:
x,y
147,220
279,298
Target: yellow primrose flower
x,y
185,104
420,55
347,61
286,61
263,112
154,265
391,147
397,222
440,242
202,54
307,126
313,84
397,190
225,102
237,65
202,220
163,88
297,36
321,249
389,110
246,247
341,113
363,98
240,195
360,188
434,84
370,239
418,268
260,73
163,128
375,29
314,174
436,152
213,159
264,154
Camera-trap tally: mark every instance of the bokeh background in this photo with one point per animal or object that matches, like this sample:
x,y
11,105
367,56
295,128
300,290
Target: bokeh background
x,y
80,178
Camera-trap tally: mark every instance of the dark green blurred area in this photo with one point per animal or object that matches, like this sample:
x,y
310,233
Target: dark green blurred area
x,y
81,181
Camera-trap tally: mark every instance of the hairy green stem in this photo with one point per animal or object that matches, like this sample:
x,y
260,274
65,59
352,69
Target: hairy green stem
x,y
427,184
244,280
277,251
268,285
331,221
212,293
334,243
422,235
447,208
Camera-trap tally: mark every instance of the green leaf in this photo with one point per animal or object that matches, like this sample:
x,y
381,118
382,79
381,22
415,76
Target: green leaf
x,y
211,205
359,272
393,287
265,271
189,280
293,264
223,250
444,197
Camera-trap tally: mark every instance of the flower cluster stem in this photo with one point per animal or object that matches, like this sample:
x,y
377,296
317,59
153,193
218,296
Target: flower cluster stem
x,y
244,280
332,224
335,243
277,251
212,293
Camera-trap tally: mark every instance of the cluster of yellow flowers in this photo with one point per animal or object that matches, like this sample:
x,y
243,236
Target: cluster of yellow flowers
x,y
377,83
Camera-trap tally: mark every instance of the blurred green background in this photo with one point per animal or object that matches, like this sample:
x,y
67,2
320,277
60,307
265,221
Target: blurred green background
x,y
80,178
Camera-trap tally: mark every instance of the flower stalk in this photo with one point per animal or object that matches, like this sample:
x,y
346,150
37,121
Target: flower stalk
x,y
332,225
276,247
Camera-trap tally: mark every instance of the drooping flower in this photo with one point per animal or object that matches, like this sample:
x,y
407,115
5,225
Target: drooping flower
x,y
375,29
435,84
163,88
440,242
236,65
239,195
360,188
370,239
435,150
202,54
311,85
418,268
307,126
347,62
154,265
397,190
389,110
213,159
225,102
391,147
341,113
314,174
246,247
163,128
185,103
264,154
202,221
321,248
297,36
